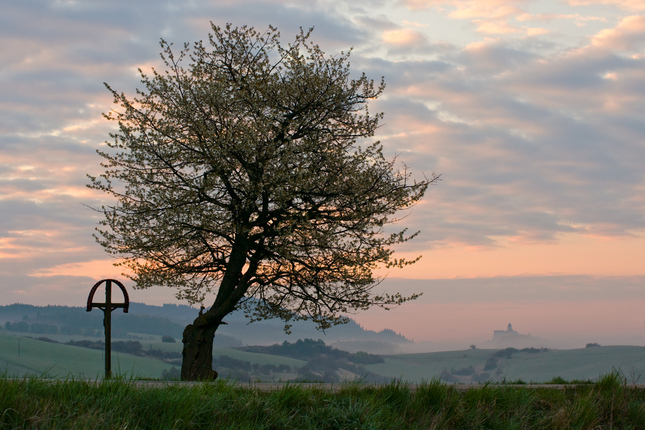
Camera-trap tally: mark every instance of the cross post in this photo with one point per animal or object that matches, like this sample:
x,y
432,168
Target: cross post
x,y
107,309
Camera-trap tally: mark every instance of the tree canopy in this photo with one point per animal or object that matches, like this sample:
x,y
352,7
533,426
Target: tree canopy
x,y
244,170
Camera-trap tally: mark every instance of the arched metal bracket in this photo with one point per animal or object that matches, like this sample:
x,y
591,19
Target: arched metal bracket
x,y
126,299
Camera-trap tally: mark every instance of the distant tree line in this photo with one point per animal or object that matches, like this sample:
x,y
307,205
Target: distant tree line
x,y
77,321
71,321
158,320
44,328
308,348
323,362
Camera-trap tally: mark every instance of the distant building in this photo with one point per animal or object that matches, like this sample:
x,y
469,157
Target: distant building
x,y
502,333
510,338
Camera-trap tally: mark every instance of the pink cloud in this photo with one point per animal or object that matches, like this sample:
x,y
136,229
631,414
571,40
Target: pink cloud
x,y
535,31
91,269
626,36
425,4
623,4
580,20
469,9
495,27
488,9
489,16
403,37
573,253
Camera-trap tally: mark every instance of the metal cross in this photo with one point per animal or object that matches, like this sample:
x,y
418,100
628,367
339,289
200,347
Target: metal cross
x,y
107,309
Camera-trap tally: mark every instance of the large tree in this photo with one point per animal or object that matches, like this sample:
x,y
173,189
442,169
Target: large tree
x,y
239,171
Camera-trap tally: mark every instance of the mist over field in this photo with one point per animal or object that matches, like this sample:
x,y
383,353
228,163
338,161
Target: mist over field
x,y
453,314
562,311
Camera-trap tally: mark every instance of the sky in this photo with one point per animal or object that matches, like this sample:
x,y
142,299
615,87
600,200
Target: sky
x,y
532,112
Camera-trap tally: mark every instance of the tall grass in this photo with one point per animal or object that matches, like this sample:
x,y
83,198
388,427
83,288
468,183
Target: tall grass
x,y
31,403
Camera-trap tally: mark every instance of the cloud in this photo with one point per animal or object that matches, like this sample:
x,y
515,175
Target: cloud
x,y
534,31
623,4
489,9
488,16
494,27
495,111
467,9
580,20
96,269
520,288
423,4
628,35
404,37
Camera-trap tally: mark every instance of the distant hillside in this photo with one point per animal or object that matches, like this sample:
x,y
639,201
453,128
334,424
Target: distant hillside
x,y
21,356
324,363
511,364
271,331
171,320
77,321
317,362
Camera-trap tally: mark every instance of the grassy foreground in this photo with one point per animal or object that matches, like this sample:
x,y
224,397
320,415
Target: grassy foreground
x,y
34,403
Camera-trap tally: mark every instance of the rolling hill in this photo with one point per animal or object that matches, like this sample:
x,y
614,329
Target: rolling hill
x,y
529,365
21,355
171,319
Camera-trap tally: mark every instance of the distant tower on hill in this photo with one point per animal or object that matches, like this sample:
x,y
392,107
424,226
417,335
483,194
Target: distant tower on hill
x,y
510,338
504,333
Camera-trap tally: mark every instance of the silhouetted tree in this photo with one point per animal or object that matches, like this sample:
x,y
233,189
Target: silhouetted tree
x,y
241,173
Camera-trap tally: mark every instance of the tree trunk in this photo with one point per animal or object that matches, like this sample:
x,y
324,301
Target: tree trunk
x,y
197,363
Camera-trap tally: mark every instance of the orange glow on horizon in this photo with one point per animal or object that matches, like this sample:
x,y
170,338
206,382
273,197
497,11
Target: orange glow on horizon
x,y
92,269
572,255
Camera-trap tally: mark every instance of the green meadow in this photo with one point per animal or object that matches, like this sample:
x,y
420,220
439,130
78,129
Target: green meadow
x,y
21,356
32,403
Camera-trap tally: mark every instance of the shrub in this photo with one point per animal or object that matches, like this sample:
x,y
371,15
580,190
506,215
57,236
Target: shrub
x,y
466,371
505,353
491,363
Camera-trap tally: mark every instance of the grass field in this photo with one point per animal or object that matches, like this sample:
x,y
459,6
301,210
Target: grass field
x,y
579,364
62,361
34,404
427,366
